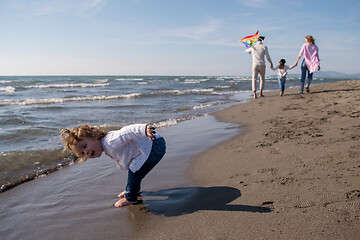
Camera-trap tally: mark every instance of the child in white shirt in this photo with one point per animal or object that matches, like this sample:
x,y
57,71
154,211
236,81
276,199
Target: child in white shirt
x,y
282,72
135,148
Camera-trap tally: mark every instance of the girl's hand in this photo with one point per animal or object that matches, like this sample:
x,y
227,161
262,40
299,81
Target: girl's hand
x,y
318,68
150,131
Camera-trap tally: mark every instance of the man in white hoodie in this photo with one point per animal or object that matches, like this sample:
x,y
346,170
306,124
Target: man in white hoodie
x,y
259,50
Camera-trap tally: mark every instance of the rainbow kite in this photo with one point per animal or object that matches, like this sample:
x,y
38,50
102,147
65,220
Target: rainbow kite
x,y
250,40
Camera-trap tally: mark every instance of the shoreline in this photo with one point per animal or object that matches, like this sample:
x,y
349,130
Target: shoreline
x,y
78,200
291,173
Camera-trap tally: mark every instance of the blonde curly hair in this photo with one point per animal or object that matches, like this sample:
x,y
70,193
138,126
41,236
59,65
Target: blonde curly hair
x,y
70,137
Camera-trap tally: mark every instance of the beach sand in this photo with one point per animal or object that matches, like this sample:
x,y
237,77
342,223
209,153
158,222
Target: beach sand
x,y
299,156
292,171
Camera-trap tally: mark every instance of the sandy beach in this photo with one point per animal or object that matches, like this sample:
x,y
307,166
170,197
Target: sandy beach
x,y
300,156
291,170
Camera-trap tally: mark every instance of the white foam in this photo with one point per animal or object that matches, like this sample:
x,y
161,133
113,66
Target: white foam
x,y
34,101
191,80
102,80
7,89
70,85
129,79
166,123
9,81
182,92
204,106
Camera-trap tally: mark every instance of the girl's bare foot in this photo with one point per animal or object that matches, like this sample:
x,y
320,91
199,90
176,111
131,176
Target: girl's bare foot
x,y
254,95
122,194
123,202
281,93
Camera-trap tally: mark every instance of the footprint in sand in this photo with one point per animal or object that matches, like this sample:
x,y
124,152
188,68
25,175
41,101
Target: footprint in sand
x,y
295,201
350,202
303,204
347,206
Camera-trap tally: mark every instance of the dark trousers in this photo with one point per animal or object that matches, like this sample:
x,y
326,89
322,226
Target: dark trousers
x,y
134,179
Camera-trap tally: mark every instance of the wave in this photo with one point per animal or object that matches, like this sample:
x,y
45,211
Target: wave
x,y
231,92
129,79
36,101
209,105
166,123
182,92
186,81
9,81
101,80
61,100
70,85
172,121
30,165
7,89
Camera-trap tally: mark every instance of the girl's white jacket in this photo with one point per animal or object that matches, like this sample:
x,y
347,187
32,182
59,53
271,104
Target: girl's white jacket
x,y
129,146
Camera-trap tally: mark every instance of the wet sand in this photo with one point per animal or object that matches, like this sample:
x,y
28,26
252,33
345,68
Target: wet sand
x,y
77,201
292,173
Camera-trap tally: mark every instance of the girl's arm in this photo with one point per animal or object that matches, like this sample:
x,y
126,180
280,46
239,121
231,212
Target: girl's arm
x,y
127,133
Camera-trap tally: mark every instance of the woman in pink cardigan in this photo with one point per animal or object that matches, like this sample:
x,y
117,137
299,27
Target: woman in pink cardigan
x,y
310,63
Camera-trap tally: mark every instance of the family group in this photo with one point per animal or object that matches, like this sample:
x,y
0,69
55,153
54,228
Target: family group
x,y
310,63
138,149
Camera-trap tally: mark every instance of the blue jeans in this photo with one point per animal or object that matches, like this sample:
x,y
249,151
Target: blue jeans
x,y
305,70
134,179
282,81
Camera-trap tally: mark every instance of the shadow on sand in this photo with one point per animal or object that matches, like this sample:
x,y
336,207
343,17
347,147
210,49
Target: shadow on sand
x,y
178,201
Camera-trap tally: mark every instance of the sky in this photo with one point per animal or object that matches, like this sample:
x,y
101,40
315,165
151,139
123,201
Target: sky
x,y
171,37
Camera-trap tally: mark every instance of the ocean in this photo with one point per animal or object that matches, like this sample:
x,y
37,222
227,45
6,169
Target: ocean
x,y
33,110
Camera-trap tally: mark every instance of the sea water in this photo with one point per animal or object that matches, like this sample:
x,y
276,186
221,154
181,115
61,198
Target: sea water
x,y
33,110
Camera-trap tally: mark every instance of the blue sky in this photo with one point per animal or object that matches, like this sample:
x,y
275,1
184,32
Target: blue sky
x,y
170,37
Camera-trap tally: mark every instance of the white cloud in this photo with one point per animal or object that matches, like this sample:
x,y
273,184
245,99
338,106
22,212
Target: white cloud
x,y
194,32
